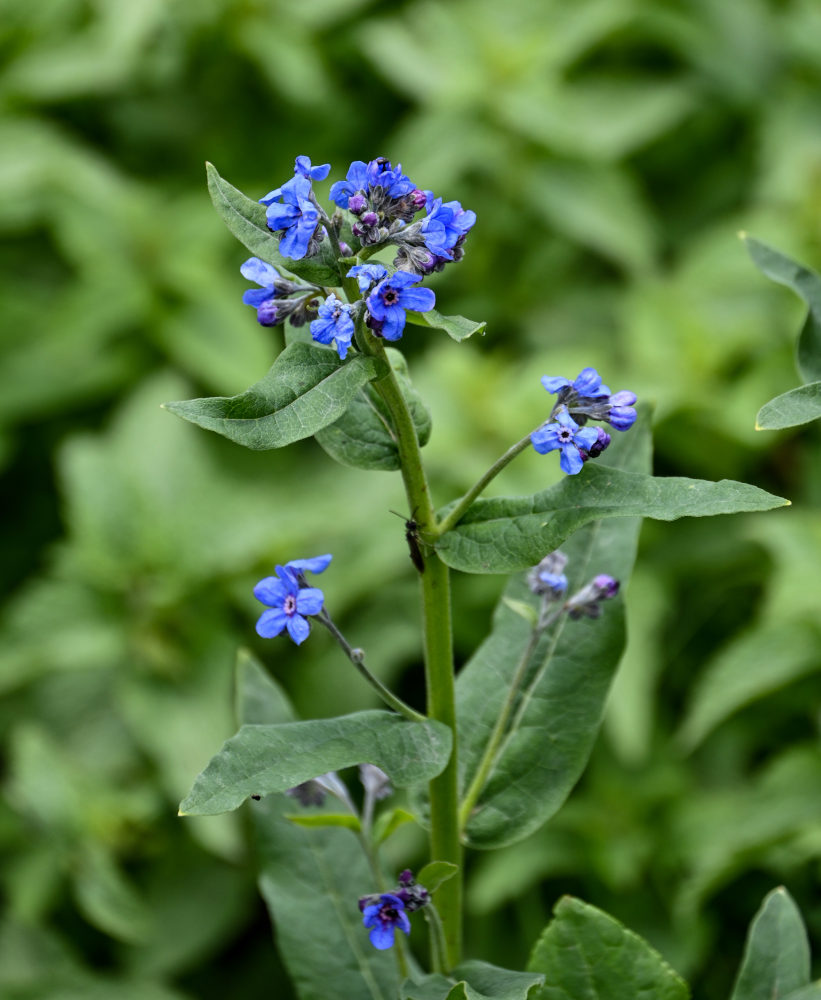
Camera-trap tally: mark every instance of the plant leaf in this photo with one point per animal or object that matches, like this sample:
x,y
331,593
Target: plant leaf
x,y
247,221
456,327
313,820
777,954
790,409
584,952
473,980
389,822
435,873
272,758
807,285
307,388
362,437
510,533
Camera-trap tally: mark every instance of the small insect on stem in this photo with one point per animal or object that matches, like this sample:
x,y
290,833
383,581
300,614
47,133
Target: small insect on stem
x,y
412,538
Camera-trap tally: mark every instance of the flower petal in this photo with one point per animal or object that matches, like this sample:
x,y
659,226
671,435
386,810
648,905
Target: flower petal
x,y
298,628
271,623
554,382
382,936
257,270
309,601
588,383
271,591
418,299
571,460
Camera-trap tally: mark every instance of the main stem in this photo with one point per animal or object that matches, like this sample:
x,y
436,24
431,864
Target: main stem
x,y
445,844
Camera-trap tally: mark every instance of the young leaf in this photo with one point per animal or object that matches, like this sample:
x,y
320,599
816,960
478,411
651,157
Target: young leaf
x,y
314,820
272,758
777,954
307,388
511,533
456,327
584,952
473,980
362,437
807,285
435,873
247,221
790,409
389,822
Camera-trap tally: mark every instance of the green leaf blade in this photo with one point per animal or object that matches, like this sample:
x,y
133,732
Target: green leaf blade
x,y
261,759
473,980
776,958
584,952
458,328
511,533
791,409
306,389
247,220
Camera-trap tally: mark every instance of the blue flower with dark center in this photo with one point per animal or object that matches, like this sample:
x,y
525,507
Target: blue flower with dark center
x,y
588,398
380,173
568,437
383,918
334,322
288,599
389,300
290,209
262,299
368,275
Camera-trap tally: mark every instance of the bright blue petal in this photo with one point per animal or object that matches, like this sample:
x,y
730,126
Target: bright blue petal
x,y
545,439
554,382
281,216
382,936
369,913
571,460
256,296
417,299
586,437
257,270
298,628
271,623
272,196
394,323
271,591
309,601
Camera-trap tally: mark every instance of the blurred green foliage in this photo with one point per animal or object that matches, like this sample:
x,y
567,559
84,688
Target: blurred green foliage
x,y
612,149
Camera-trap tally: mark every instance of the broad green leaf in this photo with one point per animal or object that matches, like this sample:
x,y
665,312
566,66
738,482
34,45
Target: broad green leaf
x,y
258,699
753,665
272,758
510,533
807,285
777,954
585,953
790,409
811,992
247,221
556,719
362,437
314,820
435,873
473,980
307,388
456,327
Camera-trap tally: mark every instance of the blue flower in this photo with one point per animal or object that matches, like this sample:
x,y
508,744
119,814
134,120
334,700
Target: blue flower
x,y
302,166
621,414
262,299
588,397
291,210
334,322
445,226
289,600
566,435
383,918
380,173
389,300
588,384
367,275
356,180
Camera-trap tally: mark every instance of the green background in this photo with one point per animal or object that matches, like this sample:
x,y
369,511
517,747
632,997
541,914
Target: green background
x,y
612,150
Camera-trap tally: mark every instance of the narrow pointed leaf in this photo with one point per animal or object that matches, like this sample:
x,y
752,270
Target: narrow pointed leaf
x,y
473,980
777,954
247,221
456,327
272,758
807,285
435,873
362,437
510,533
558,713
586,953
389,822
790,409
315,820
306,389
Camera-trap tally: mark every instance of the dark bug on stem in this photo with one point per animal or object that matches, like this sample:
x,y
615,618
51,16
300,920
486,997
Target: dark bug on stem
x,y
413,540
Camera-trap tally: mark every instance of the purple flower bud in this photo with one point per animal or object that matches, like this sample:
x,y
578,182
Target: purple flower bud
x,y
357,204
588,600
607,585
418,198
370,219
599,445
344,249
406,877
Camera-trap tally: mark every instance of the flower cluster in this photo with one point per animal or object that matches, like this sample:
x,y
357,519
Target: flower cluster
x,y
384,912
277,298
586,398
289,599
549,582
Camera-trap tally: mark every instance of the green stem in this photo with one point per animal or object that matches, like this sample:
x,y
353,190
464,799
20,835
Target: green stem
x,y
437,938
458,511
438,650
490,756
357,658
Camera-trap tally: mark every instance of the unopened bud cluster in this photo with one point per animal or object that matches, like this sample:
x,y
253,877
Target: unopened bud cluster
x,y
548,580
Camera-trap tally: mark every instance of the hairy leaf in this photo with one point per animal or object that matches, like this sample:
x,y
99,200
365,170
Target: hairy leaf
x,y
777,954
307,388
790,409
473,980
584,952
272,758
456,327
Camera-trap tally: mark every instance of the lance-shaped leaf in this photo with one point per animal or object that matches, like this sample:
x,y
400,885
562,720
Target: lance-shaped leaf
x,y
798,406
584,952
777,954
363,437
510,533
272,758
247,221
473,980
560,705
307,388
807,285
456,327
